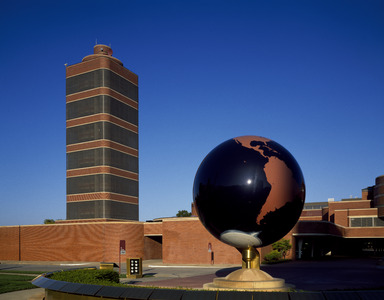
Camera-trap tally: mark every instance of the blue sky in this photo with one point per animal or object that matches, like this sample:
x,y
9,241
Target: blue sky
x,y
307,74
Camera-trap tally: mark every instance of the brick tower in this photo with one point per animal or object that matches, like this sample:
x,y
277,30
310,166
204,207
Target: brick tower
x,y
102,138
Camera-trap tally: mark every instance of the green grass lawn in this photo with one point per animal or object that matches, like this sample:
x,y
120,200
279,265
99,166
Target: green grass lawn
x,y
10,283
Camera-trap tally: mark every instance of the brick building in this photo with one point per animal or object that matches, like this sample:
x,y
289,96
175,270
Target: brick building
x,y
102,192
102,138
346,227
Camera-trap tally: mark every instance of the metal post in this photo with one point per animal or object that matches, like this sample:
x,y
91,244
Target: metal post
x,y
251,258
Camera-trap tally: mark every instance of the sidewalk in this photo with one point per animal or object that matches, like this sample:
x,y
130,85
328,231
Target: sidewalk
x,y
322,275
33,294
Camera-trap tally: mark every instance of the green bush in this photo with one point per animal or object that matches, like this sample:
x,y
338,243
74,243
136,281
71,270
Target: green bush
x,y
93,276
273,256
283,246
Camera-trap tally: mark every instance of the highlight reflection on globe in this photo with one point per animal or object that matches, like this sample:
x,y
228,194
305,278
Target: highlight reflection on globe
x,y
249,191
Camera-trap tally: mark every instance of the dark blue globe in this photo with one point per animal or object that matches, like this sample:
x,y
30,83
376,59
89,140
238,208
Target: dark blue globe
x,y
249,192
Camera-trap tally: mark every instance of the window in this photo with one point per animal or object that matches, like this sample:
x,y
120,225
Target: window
x,y
366,222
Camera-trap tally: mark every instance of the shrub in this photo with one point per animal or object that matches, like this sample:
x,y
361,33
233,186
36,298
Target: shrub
x,y
93,276
283,246
272,256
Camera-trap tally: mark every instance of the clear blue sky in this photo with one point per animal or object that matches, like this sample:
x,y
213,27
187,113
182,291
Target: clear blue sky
x,y
307,74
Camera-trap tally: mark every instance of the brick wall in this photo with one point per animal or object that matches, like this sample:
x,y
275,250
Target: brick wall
x,y
353,204
9,243
185,241
176,240
311,213
364,232
72,242
363,212
154,228
341,217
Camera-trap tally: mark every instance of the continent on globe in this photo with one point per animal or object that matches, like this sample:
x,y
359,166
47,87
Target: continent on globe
x,y
249,191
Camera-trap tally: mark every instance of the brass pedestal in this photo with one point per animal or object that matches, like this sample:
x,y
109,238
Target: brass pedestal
x,y
249,278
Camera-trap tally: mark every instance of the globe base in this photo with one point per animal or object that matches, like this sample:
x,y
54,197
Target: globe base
x,y
249,280
250,258
250,277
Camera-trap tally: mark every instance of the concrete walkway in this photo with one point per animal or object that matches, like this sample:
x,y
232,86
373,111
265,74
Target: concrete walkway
x,y
320,275
33,294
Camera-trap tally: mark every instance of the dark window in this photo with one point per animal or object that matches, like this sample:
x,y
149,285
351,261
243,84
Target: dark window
x,y
102,183
86,184
85,133
122,110
102,209
84,159
101,78
102,130
355,222
85,81
366,222
121,85
102,104
100,157
121,160
120,135
85,107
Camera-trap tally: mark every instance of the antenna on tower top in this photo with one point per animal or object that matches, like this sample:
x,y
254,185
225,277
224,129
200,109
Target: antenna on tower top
x,y
96,42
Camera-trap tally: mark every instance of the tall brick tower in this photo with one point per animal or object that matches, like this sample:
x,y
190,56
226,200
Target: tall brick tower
x,y
102,138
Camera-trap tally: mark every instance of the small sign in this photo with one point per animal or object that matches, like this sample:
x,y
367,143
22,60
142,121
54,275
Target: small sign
x,y
122,251
122,244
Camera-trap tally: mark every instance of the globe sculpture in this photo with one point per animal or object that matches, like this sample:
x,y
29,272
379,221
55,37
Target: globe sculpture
x,y
249,192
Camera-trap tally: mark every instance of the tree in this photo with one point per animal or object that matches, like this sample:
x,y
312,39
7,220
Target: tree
x,y
183,213
283,246
49,221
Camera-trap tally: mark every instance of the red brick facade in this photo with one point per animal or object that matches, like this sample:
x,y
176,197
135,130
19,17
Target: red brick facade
x,y
329,225
185,241
71,242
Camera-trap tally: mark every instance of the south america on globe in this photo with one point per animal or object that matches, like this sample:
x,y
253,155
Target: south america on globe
x,y
249,191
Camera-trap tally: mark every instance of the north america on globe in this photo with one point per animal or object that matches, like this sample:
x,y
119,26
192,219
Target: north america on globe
x,y
249,191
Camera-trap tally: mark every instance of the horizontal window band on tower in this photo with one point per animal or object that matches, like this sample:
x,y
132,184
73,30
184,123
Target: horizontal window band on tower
x,y
102,104
102,196
101,78
101,63
100,131
101,91
102,157
102,183
102,143
100,118
102,209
